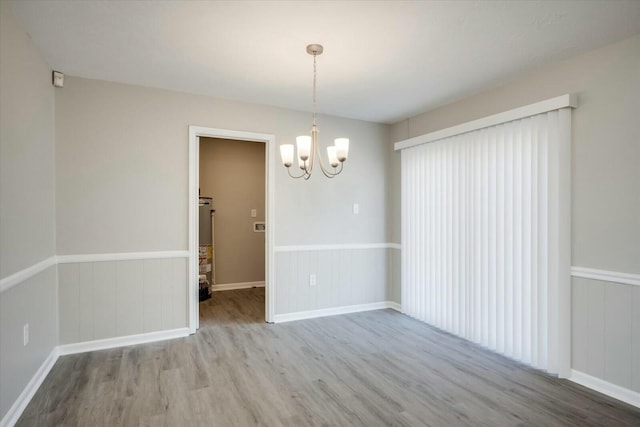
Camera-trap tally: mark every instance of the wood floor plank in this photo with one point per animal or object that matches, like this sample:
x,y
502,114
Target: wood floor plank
x,y
377,368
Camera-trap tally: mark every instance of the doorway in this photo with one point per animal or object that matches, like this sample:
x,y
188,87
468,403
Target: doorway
x,y
232,218
195,134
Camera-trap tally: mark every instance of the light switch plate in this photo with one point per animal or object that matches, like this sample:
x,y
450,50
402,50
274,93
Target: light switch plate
x,y
57,79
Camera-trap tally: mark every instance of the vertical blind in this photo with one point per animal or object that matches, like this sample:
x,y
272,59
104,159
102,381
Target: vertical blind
x,y
480,237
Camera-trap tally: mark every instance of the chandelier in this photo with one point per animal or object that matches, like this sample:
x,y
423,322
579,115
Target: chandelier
x,y
308,146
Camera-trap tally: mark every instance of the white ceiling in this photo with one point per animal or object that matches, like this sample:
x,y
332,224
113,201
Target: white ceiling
x,y
383,61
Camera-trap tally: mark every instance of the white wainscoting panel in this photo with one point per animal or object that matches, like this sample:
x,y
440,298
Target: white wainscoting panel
x,y
344,277
107,299
606,331
394,290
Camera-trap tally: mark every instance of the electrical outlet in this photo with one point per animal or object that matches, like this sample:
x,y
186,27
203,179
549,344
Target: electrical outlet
x,y
25,334
312,280
356,209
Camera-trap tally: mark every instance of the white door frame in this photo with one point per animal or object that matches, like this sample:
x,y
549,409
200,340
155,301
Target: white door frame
x,y
195,132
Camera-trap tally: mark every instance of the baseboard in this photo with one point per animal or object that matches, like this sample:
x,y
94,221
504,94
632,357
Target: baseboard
x,y
612,390
394,305
14,413
301,315
107,343
233,286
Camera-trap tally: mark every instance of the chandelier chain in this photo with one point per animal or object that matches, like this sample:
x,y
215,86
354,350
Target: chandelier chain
x,y
314,88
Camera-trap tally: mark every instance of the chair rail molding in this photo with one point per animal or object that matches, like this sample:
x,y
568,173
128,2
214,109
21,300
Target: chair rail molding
x,y
121,256
606,275
24,274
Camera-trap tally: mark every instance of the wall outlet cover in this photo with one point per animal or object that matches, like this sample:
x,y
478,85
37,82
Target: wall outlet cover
x,y
25,334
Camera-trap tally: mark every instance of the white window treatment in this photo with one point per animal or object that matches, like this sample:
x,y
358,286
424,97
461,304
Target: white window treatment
x,y
485,237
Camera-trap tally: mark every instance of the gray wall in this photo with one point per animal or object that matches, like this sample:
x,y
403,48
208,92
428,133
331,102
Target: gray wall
x,y
233,173
27,186
605,197
27,224
319,211
121,153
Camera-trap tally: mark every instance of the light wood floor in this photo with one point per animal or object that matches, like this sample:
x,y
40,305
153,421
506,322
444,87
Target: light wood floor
x,y
376,368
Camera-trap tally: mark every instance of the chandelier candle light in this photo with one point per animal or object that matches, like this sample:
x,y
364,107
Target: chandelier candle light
x,y
308,146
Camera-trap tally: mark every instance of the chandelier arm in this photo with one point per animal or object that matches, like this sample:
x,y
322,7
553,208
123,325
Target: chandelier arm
x,y
294,176
325,169
322,166
330,174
